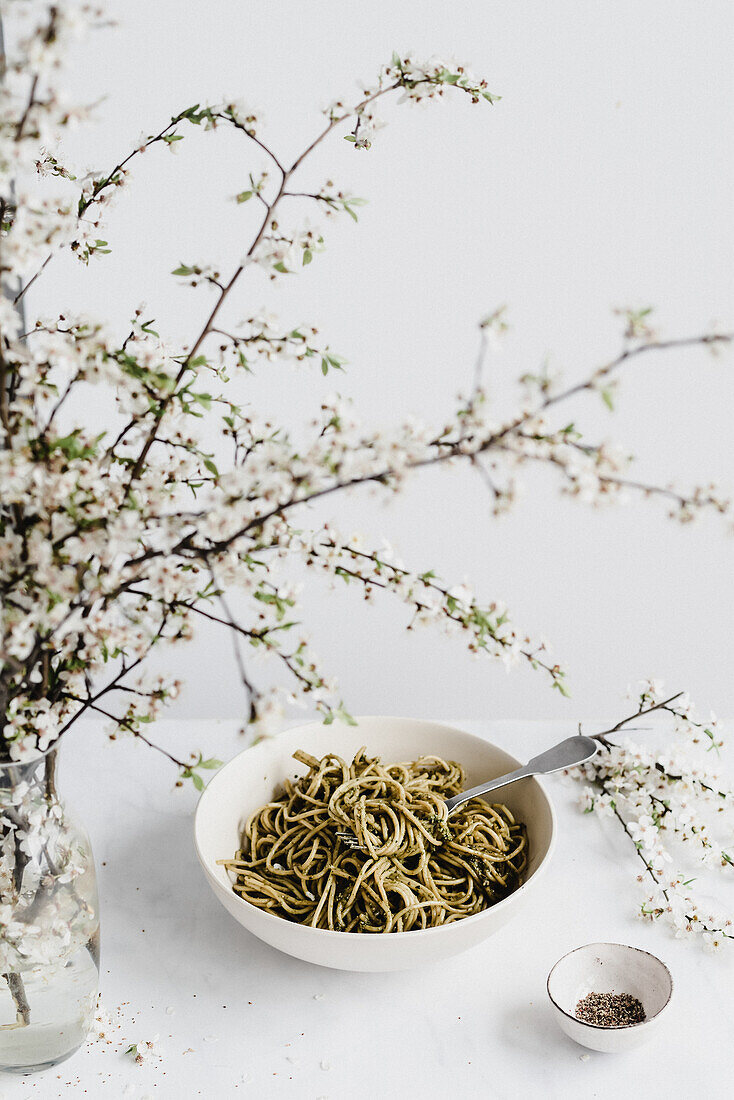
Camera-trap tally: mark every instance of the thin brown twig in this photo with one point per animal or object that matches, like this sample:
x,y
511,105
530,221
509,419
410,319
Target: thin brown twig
x,y
125,724
602,737
452,450
27,286
28,108
650,869
236,629
607,479
228,286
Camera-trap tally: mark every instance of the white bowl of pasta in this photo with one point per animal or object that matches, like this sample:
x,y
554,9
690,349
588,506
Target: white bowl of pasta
x,y
358,846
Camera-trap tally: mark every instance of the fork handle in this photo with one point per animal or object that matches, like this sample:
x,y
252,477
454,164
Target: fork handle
x,y
566,754
459,799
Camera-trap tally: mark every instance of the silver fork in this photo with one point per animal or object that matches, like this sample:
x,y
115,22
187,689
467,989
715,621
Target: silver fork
x,y
350,840
567,754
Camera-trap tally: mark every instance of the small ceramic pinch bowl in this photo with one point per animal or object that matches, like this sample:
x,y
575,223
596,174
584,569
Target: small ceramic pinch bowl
x,y
248,781
609,968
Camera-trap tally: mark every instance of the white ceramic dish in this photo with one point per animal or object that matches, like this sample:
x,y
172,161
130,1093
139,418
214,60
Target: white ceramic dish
x,y
609,968
248,781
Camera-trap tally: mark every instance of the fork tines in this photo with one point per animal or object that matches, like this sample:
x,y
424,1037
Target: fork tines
x,y
350,840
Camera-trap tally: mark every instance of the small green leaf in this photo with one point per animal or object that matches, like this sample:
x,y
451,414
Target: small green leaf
x,y
197,781
244,196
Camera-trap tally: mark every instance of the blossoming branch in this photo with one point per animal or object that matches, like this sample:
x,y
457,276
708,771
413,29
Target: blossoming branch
x,y
674,808
111,545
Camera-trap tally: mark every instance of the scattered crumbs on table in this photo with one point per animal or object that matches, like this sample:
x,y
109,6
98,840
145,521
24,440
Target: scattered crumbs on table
x,y
170,1010
319,996
323,1064
211,1038
584,1057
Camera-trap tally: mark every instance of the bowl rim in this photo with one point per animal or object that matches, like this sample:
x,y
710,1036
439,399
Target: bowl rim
x,y
609,1027
328,933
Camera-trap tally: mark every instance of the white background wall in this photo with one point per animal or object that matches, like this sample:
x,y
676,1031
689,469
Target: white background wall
x,y
603,178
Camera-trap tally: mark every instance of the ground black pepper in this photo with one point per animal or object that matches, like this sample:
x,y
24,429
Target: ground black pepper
x,y
610,1010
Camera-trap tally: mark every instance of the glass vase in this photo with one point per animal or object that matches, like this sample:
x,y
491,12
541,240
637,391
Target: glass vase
x,y
49,921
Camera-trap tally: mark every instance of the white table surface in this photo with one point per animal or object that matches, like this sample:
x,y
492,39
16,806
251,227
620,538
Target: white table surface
x,y
237,1019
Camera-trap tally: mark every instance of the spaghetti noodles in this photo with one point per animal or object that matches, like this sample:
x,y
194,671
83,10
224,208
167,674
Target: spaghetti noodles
x,y
401,863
